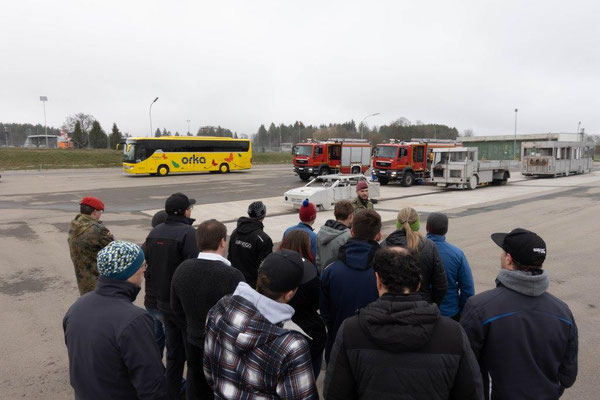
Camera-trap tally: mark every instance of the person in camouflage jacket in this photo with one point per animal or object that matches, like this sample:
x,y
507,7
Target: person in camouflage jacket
x,y
361,201
87,236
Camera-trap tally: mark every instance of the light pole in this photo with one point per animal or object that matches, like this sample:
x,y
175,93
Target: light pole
x,y
515,141
44,99
188,121
151,133
362,123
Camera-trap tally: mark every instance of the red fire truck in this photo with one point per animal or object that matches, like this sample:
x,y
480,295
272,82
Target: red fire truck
x,y
405,162
334,156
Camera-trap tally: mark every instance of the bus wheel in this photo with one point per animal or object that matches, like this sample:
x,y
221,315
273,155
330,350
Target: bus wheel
x,y
162,170
224,168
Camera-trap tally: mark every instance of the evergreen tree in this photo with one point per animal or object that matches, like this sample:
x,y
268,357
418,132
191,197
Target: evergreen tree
x,y
176,133
157,133
235,136
164,132
79,137
98,138
115,137
262,137
273,135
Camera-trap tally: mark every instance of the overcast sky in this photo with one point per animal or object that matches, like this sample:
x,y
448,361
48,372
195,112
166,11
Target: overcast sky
x,y
238,64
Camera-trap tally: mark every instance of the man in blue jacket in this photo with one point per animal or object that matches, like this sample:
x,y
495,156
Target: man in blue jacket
x,y
524,338
348,283
458,271
112,353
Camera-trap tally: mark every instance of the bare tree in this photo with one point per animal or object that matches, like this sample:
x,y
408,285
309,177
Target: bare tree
x,y
402,121
85,120
468,133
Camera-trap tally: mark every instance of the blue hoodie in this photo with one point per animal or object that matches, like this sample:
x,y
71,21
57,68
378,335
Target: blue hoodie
x,y
347,284
458,272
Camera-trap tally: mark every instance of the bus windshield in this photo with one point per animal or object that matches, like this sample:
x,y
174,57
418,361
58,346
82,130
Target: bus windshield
x,y
386,151
134,152
303,150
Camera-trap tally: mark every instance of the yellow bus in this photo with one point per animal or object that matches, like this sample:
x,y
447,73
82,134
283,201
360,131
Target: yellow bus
x,y
174,154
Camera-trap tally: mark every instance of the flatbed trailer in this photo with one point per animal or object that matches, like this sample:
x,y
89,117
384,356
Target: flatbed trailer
x,y
552,159
460,168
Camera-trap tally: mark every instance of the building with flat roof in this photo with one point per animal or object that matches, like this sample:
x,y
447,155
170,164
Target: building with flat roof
x,y
500,147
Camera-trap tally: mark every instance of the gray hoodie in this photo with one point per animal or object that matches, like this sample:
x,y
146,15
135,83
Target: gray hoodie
x,y
330,238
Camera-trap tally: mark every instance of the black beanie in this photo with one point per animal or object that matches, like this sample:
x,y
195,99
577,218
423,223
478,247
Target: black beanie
x,y
159,218
257,210
437,223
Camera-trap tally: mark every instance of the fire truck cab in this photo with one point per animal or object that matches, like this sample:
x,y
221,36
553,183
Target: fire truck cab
x,y
334,156
405,162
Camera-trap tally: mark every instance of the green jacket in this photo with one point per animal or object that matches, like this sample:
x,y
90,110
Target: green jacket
x,y
86,238
360,205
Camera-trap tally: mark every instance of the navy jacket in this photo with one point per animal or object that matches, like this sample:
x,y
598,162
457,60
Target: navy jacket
x,y
523,337
347,284
110,341
458,273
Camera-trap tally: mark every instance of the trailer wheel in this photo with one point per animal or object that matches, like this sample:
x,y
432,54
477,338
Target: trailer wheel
x,y
473,182
356,170
304,177
504,180
162,170
408,179
383,181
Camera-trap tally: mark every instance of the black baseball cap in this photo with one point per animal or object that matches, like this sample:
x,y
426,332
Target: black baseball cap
x,y
524,246
286,270
177,203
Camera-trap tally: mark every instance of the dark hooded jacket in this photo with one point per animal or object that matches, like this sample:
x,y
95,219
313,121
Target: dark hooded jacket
x,y
434,282
249,245
330,238
112,352
399,347
347,285
167,246
524,338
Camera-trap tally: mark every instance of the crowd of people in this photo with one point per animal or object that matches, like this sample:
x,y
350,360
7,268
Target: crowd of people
x,y
393,317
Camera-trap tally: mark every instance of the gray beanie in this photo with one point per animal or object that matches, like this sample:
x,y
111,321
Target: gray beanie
x,y
257,210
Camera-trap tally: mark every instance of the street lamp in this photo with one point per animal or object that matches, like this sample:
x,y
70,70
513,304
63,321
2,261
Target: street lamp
x,y
44,99
362,123
515,141
188,121
151,133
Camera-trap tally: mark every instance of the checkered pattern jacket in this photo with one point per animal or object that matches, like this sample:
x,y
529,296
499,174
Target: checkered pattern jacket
x,y
248,357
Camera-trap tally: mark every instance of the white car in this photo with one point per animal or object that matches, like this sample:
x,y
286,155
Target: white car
x,y
325,190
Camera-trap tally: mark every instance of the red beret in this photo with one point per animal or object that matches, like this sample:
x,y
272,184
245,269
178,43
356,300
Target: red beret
x,y
93,202
362,185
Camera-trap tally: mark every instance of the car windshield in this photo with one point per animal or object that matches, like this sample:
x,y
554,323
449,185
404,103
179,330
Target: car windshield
x,y
386,151
303,150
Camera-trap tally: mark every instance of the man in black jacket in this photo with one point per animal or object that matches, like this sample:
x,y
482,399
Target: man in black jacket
x,y
196,287
111,347
399,346
167,246
524,338
249,245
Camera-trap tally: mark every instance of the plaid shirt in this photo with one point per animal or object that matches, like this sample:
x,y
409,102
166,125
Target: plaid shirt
x,y
248,357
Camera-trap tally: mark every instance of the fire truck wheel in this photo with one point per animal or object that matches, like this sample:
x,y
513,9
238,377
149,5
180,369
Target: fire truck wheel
x,y
224,168
356,170
383,181
408,179
324,171
162,170
304,177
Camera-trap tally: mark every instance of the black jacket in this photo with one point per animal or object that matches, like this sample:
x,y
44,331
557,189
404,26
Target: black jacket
x,y
399,347
249,245
523,337
110,341
434,282
167,246
196,287
306,314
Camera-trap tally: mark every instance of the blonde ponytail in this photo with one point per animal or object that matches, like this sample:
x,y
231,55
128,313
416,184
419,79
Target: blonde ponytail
x,y
408,218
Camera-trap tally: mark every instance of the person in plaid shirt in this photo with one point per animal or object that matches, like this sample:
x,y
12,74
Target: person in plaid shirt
x,y
247,352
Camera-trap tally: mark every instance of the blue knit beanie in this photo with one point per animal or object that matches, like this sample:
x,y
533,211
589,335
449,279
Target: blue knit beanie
x,y
120,260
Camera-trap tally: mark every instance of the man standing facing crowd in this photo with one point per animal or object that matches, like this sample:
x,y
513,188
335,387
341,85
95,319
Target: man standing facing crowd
x,y
362,201
167,246
87,236
249,244
524,338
